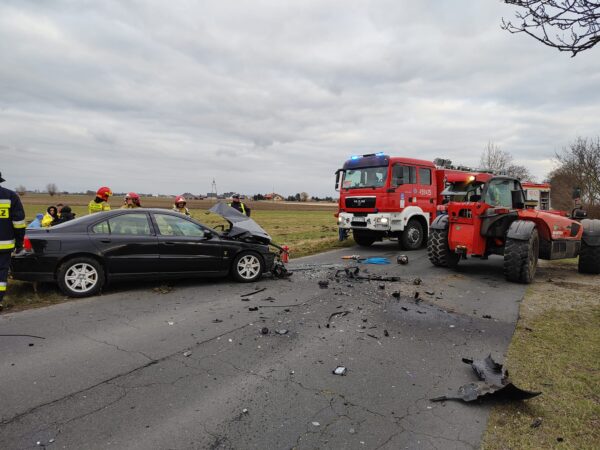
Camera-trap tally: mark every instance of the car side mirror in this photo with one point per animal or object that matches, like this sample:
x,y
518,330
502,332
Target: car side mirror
x,y
208,234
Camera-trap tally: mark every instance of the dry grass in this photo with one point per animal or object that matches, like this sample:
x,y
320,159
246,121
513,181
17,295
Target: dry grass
x,y
555,349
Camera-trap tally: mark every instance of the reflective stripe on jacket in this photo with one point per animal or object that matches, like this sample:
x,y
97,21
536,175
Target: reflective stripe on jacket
x,y
12,221
94,207
242,207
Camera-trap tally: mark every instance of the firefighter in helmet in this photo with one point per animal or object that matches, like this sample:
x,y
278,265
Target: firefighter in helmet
x,y
12,232
132,200
180,207
100,203
236,203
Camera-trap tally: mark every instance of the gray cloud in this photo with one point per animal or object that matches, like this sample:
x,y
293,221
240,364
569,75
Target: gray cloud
x,y
164,97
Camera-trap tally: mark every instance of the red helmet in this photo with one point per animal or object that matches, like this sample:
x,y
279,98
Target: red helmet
x,y
180,199
103,193
133,196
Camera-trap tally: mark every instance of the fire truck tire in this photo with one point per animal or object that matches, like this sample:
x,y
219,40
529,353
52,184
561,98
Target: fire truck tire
x,y
438,251
589,259
412,236
521,257
363,239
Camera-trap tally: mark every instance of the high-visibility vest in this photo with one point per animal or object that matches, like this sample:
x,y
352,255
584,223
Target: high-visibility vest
x,y
94,207
183,210
243,207
47,220
12,220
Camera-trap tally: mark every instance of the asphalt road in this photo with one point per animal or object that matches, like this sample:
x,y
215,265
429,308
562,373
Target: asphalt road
x,y
114,371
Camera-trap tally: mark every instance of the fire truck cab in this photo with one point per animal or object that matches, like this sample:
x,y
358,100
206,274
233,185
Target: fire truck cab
x,y
388,197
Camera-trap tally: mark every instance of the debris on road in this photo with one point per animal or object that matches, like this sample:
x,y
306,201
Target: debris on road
x,y
396,294
354,273
163,289
382,286
252,293
264,330
323,284
402,259
337,313
282,331
253,308
217,321
536,423
386,333
316,424
245,411
187,354
494,382
376,260
352,257
340,370
430,292
417,281
487,316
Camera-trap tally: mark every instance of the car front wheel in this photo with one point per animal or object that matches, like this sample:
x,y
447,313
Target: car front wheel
x,y
80,277
247,267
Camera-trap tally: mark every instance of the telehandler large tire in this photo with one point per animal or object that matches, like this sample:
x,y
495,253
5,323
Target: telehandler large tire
x,y
521,257
438,251
589,259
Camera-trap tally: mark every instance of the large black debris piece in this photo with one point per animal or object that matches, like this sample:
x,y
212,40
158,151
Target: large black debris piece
x,y
494,383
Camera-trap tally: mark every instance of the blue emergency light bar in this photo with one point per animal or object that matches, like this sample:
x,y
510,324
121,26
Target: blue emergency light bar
x,y
368,160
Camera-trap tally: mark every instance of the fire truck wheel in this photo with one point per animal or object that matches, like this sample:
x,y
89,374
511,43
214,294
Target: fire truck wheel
x,y
520,258
438,251
412,236
589,259
363,239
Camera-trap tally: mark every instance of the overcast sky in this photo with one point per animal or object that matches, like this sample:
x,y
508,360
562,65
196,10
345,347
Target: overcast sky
x,y
164,96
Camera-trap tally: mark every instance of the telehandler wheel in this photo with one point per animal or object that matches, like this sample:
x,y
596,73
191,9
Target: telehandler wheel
x,y
589,259
438,251
521,257
412,236
363,239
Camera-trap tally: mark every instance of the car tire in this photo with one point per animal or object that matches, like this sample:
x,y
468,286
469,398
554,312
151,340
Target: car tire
x,y
520,258
412,236
80,277
439,252
363,239
247,267
589,259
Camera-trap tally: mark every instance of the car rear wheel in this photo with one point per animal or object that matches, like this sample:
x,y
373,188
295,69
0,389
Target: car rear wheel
x,y
520,258
80,277
412,236
247,267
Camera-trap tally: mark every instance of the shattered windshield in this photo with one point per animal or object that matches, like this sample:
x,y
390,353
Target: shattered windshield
x,y
365,177
463,192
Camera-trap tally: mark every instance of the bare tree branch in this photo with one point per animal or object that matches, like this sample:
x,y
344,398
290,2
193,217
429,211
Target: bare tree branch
x,y
567,25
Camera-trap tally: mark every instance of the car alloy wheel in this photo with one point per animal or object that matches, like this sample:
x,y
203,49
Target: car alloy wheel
x,y
248,267
81,277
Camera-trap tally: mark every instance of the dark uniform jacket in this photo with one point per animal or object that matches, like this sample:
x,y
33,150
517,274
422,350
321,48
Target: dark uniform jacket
x,y
12,221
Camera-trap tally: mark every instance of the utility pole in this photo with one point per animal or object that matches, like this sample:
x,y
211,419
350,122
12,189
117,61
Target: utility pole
x,y
213,188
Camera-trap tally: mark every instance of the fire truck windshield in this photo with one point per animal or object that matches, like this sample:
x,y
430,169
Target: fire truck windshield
x,y
365,177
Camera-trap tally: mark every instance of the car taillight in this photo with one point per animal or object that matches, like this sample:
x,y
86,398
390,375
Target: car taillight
x,y
27,244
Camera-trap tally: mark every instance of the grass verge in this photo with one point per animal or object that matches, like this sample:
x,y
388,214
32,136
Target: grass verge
x,y
555,349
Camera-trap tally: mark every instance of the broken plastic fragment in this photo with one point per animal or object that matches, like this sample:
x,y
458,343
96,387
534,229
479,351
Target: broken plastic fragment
x,y
402,259
281,332
339,370
316,424
187,354
245,411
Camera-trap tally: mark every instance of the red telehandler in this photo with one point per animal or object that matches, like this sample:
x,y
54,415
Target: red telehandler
x,y
486,215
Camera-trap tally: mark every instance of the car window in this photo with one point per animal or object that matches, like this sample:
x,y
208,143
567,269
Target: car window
x,y
403,175
425,176
101,228
175,226
130,224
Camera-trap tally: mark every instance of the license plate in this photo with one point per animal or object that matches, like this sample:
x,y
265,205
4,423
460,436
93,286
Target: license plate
x,y
359,219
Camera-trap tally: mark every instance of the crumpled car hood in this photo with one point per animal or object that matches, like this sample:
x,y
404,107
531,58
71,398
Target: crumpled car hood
x,y
242,226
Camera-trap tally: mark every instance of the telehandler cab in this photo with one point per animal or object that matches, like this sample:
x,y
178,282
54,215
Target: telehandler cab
x,y
487,215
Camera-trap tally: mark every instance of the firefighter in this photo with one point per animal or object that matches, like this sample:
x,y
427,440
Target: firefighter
x,y
237,204
180,207
132,200
100,203
12,231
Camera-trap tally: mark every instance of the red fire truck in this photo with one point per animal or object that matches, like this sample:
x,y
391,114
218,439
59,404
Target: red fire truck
x,y
389,197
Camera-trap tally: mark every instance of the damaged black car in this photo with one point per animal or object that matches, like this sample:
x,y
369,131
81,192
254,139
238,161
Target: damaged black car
x,y
82,255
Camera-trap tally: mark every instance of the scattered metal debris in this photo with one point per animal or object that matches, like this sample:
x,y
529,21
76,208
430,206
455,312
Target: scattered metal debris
x,y
416,296
252,293
282,331
245,411
396,294
382,286
253,308
404,308
386,333
315,424
340,370
494,382
372,336
430,292
487,316
354,273
217,321
337,313
264,330
402,259
187,354
417,281
323,284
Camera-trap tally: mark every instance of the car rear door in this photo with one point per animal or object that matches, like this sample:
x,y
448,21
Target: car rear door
x,y
184,245
127,242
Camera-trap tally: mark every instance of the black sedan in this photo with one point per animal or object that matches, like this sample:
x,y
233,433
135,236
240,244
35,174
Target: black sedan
x,y
83,254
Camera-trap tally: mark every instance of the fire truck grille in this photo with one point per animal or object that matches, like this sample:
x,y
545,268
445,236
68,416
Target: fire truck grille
x,y
360,202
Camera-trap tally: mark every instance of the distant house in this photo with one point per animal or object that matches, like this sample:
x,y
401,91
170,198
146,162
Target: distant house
x,y
274,197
